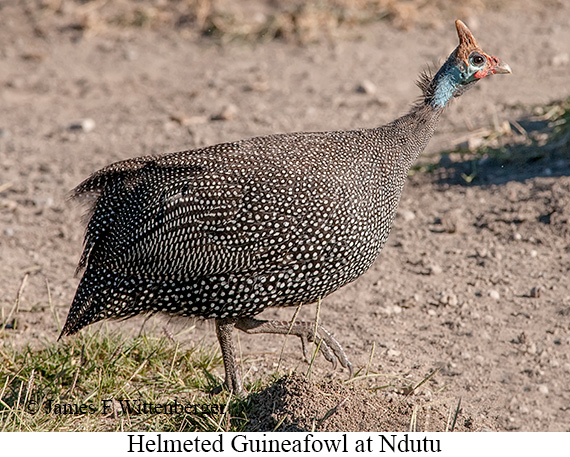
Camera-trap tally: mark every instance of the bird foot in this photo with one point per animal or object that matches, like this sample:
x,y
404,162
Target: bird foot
x,y
307,332
239,394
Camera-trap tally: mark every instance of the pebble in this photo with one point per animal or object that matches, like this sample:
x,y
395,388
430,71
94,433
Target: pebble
x,y
407,215
427,394
448,298
228,113
85,125
16,83
366,87
543,389
435,270
531,348
257,86
9,205
474,143
494,294
43,202
533,253
393,353
483,253
454,221
559,60
395,309
535,292
184,120
130,54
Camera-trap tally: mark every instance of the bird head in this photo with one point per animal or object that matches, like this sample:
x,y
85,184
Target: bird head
x,y
472,61
466,65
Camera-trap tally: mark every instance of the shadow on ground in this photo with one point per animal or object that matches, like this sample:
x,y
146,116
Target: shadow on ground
x,y
537,145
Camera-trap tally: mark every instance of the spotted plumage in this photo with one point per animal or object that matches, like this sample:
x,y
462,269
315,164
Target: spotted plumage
x,y
224,232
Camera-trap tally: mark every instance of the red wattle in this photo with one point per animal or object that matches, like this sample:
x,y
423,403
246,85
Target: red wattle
x,y
481,74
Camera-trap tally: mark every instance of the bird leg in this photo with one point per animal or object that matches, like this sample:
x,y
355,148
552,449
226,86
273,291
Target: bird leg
x,y
234,382
331,349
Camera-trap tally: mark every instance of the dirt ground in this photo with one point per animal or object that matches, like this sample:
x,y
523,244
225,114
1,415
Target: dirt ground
x,y
474,279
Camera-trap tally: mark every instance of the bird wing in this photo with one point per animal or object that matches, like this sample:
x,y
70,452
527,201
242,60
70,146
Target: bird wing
x,y
168,220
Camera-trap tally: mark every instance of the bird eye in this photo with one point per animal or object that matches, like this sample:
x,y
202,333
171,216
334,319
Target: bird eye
x,y
477,59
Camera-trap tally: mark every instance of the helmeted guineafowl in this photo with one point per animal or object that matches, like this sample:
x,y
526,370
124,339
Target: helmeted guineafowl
x,y
225,231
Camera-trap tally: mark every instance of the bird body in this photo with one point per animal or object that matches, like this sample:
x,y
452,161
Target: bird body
x,y
226,231
210,232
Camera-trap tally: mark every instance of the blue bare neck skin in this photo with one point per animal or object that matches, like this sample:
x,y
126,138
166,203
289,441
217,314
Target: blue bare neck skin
x,y
447,81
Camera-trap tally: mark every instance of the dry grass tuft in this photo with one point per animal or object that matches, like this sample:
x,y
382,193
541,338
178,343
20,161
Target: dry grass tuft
x,y
227,20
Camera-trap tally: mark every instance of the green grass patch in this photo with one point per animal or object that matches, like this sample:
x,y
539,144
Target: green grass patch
x,y
100,381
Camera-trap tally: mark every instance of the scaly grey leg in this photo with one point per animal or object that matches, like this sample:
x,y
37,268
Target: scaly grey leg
x,y
234,382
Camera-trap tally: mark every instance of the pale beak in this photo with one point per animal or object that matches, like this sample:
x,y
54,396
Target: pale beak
x,y
501,69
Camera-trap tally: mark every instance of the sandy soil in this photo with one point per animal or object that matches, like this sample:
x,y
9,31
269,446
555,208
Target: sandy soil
x,y
474,279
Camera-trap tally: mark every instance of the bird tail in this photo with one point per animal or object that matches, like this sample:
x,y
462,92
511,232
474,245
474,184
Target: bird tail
x,y
102,294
